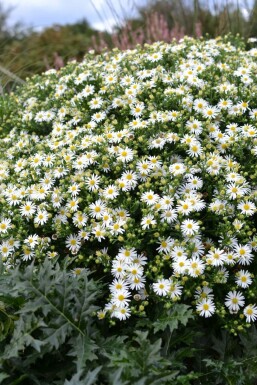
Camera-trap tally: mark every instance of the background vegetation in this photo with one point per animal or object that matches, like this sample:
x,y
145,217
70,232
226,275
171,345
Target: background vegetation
x,y
25,52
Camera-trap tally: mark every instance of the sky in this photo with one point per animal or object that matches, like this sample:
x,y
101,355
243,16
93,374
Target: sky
x,y
101,14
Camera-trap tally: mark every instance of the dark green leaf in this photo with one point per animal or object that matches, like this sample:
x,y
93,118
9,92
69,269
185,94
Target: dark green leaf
x,y
179,313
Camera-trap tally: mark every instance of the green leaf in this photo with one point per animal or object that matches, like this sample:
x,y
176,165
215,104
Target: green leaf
x,y
166,378
22,337
140,362
179,313
3,376
115,377
90,378
75,380
54,322
83,349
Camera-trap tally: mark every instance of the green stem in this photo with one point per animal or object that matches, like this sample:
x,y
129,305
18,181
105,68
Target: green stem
x,y
167,344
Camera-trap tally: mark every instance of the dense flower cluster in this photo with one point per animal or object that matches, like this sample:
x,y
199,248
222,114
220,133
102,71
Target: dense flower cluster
x,y
141,164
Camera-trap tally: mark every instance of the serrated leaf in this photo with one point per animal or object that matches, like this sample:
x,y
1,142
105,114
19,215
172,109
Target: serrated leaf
x,y
57,336
162,379
75,380
179,313
54,318
83,349
22,335
36,344
115,377
90,378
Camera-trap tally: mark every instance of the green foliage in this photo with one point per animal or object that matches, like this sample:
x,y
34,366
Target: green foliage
x,y
54,318
6,320
38,51
179,313
141,362
7,105
55,338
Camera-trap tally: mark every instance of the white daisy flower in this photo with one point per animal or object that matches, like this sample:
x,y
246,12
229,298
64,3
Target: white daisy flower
x,y
73,243
150,198
189,227
206,307
233,301
243,253
243,279
250,313
148,221
110,192
120,298
247,208
161,287
5,225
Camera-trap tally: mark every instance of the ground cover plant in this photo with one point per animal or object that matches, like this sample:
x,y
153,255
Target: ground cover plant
x,y
128,218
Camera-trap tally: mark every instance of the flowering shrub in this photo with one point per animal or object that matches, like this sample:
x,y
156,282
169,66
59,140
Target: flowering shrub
x,y
140,165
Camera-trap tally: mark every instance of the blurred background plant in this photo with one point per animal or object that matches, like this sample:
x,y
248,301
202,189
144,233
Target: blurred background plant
x,y
25,51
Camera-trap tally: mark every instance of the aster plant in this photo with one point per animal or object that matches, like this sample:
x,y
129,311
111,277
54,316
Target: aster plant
x,y
140,166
